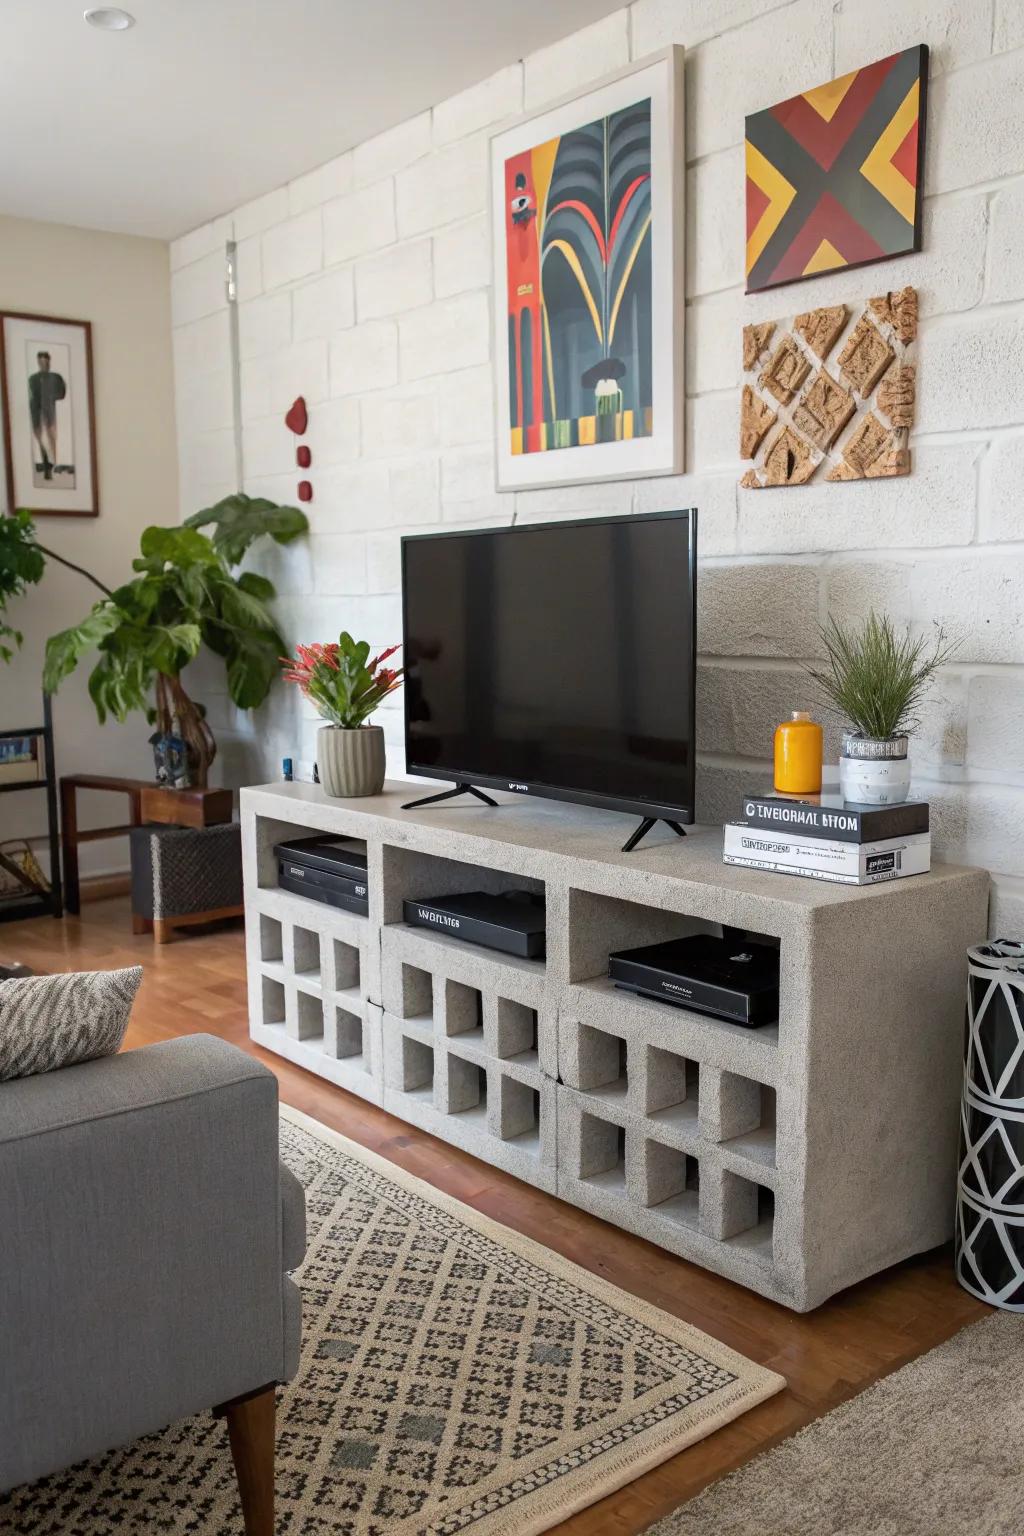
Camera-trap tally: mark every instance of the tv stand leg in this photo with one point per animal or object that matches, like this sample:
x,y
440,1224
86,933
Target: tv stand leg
x,y
449,794
645,826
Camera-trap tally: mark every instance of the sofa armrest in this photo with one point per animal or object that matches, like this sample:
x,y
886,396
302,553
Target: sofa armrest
x,y
140,1248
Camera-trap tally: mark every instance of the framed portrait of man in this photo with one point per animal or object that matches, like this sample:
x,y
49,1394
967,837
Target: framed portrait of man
x,y
49,417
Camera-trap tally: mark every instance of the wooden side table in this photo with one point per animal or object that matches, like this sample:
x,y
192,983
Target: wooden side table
x,y
146,802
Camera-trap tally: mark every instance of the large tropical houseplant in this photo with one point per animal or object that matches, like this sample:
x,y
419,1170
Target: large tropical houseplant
x,y
185,594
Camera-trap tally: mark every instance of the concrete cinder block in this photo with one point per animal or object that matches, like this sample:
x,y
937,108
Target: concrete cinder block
x,y
1001,515
934,505
260,214
728,1204
198,289
334,435
1008,31
480,106
271,382
511,1028
747,68
973,125
715,242
467,407
461,1009
1004,281
995,723
364,357
712,433
338,563
397,279
267,448
657,23
730,1105
324,305
578,59
462,257
592,1058
358,222
462,1086
446,186
383,561
956,34
200,242
391,150
960,388
467,478
451,334
714,324
1006,910
320,185
856,1052
293,249
343,1031
401,422
264,325
758,610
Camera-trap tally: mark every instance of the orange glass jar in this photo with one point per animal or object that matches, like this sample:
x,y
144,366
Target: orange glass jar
x,y
798,755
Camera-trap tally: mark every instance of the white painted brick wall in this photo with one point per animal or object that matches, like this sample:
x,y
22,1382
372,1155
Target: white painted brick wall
x,y
365,286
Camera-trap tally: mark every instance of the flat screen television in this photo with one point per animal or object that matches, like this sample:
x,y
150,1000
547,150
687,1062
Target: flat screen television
x,y
556,659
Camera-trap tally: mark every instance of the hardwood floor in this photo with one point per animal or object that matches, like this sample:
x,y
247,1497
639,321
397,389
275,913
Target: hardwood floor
x,y
197,983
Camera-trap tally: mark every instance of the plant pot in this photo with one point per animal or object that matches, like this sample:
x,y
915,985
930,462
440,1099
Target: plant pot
x,y
874,770
350,762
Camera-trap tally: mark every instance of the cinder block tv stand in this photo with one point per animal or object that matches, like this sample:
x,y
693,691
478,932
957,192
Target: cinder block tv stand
x,y
795,1159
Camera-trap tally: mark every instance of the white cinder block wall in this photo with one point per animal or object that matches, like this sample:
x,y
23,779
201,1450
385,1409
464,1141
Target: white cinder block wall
x,y
365,286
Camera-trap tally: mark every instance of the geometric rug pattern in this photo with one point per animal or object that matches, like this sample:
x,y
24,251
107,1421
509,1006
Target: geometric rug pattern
x,y
833,176
455,1377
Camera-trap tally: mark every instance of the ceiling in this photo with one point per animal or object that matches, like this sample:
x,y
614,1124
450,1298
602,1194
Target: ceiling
x,y
204,104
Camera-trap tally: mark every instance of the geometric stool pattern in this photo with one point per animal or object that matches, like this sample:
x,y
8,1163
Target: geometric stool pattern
x,y
990,1182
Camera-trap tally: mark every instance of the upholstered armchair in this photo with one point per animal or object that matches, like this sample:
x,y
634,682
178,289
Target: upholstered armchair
x,y
146,1227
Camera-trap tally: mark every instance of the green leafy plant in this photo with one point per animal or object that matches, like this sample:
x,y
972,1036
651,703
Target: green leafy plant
x,y
341,681
184,595
22,563
877,677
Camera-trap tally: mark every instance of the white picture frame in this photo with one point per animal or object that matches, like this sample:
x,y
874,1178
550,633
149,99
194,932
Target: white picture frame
x,y
538,442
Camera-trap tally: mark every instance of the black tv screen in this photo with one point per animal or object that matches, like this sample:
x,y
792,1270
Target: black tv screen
x,y
556,658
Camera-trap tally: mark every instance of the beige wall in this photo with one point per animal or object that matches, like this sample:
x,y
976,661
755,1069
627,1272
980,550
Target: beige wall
x,y
121,284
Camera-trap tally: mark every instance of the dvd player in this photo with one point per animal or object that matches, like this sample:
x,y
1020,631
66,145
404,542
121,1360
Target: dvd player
x,y
730,978
324,868
512,922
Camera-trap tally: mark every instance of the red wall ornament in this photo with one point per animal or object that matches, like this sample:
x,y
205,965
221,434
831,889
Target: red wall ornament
x,y
297,419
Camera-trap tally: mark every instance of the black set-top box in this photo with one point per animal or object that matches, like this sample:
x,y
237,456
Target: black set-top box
x,y
327,869
513,921
730,979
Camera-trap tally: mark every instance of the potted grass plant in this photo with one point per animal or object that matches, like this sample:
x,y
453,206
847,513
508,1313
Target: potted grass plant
x,y
875,678
345,686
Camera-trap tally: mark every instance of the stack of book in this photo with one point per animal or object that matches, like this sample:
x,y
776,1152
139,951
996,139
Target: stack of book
x,y
826,838
20,759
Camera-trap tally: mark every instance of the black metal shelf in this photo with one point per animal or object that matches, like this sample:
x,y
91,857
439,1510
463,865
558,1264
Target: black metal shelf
x,y
34,904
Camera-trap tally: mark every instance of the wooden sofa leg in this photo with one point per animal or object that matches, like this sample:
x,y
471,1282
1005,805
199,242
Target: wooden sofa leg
x,y
251,1432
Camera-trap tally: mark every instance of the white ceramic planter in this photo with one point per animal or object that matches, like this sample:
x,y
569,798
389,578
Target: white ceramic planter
x,y
874,772
350,762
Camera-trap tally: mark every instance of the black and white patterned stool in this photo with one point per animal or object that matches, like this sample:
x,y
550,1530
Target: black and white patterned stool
x,y
990,1183
185,875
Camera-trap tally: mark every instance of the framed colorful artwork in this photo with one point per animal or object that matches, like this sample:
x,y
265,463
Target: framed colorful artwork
x,y
49,415
587,217
834,176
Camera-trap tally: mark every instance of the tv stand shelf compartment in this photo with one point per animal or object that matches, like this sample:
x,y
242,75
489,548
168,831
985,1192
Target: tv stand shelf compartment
x,y
796,1159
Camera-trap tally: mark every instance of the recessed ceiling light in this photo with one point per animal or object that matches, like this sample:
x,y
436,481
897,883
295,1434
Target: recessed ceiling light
x,y
109,19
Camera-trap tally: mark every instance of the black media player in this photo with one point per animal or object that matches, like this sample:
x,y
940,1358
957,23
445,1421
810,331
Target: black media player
x,y
730,979
327,869
513,921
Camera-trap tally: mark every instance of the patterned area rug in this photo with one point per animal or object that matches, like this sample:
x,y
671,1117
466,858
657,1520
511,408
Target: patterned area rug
x,y
455,1378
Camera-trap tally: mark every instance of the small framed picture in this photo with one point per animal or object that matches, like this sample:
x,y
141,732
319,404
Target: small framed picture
x,y
48,415
588,242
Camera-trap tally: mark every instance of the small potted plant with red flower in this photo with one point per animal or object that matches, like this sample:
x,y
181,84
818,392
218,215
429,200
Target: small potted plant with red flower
x,y
345,686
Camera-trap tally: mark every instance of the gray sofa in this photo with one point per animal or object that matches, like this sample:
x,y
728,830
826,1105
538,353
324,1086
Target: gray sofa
x,y
146,1225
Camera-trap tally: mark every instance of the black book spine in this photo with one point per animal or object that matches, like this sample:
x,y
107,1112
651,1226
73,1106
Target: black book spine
x,y
847,825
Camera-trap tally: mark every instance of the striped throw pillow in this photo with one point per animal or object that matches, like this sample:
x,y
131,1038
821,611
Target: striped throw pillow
x,y
54,1021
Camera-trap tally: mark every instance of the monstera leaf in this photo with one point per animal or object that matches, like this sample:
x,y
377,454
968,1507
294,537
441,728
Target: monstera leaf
x,y
239,520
